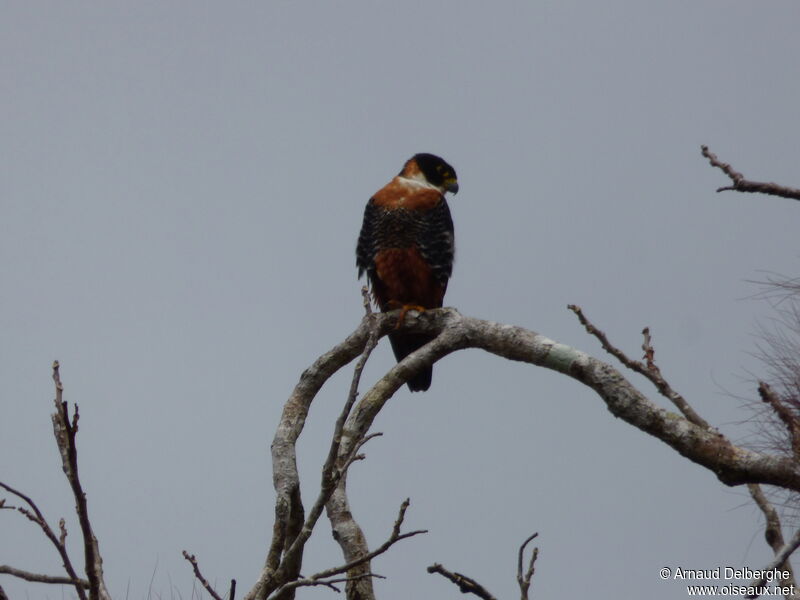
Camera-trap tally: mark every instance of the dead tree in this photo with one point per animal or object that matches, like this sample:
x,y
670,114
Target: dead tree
x,y
685,431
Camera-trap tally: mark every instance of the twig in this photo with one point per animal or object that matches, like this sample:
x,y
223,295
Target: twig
x,y
649,352
35,515
780,559
650,370
394,537
524,579
38,578
740,184
465,584
773,533
232,592
199,576
65,431
3,594
769,397
330,583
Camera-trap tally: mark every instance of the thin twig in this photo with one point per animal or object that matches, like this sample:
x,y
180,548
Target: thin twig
x,y
38,578
769,397
649,370
330,583
649,352
199,576
780,558
394,537
466,585
740,184
65,431
36,516
524,579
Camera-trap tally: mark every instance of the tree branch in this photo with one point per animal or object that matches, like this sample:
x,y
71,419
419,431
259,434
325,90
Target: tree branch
x,y
780,558
689,434
649,370
65,431
203,581
733,465
524,579
773,533
319,578
35,516
284,558
38,578
769,397
466,585
740,184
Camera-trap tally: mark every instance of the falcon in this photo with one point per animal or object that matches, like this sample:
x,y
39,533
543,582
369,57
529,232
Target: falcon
x,y
406,247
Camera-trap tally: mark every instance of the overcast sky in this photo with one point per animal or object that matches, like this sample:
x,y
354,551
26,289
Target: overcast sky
x,y
182,185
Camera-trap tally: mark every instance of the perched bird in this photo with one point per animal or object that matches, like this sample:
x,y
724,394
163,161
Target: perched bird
x,y
406,247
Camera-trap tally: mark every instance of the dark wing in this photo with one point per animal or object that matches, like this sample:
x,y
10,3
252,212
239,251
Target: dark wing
x,y
436,241
367,245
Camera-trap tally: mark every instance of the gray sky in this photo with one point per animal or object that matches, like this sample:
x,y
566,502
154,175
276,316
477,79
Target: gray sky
x,y
182,186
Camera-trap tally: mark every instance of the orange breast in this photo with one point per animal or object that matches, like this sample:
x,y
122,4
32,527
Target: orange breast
x,y
403,277
400,193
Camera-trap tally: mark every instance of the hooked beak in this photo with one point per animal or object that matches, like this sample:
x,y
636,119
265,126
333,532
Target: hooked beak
x,y
452,186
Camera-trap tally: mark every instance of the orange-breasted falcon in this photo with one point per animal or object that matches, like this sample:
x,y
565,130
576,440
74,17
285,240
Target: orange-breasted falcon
x,y
406,247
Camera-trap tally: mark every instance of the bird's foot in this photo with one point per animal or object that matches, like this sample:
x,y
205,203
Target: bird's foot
x,y
404,309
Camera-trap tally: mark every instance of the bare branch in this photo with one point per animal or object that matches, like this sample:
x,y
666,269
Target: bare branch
x,y
285,556
203,581
38,578
524,579
331,583
35,515
689,435
3,594
323,576
740,184
65,431
650,370
780,558
773,534
733,465
466,585
769,397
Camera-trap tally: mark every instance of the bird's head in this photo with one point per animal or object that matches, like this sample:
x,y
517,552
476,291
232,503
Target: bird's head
x,y
434,170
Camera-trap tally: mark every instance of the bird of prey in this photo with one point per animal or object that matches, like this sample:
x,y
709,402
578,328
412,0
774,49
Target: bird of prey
x,y
406,247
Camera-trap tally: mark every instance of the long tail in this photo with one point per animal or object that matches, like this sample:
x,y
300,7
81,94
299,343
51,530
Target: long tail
x,y
404,344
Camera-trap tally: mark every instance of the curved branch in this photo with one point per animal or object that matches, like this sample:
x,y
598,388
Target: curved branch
x,y
740,184
291,529
732,464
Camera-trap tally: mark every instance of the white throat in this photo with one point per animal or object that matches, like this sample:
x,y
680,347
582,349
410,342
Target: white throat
x,y
418,180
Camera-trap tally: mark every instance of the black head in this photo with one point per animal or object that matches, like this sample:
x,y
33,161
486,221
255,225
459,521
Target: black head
x,y
437,171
